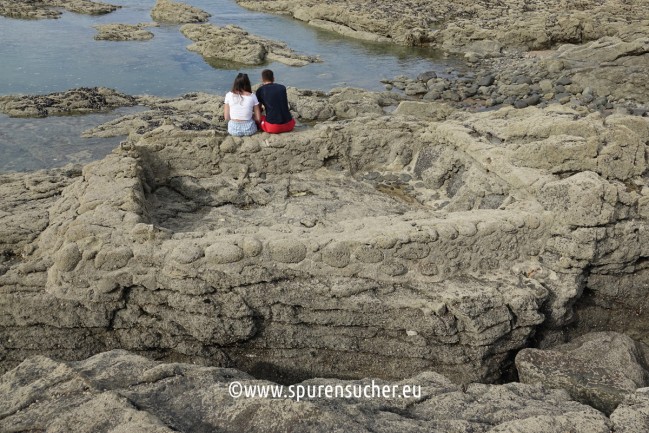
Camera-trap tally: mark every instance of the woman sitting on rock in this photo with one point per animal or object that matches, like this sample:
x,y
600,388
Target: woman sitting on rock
x,y
241,108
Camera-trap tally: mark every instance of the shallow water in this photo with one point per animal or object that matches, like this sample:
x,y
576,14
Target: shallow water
x,y
42,56
33,144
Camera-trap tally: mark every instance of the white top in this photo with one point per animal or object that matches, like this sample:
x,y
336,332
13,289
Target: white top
x,y
241,106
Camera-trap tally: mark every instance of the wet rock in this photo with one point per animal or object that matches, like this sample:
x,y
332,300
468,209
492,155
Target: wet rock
x,y
231,43
76,101
167,11
30,9
123,32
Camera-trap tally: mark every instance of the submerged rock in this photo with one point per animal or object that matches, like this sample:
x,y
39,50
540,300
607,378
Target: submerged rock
x,y
126,392
35,9
75,101
232,43
167,11
123,32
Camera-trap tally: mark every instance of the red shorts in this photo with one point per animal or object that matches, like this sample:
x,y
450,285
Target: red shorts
x,y
273,128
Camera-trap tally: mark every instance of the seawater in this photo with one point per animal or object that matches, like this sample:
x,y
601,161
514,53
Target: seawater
x,y
43,56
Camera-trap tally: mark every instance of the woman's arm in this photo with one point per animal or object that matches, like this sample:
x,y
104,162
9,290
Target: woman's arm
x,y
256,113
226,112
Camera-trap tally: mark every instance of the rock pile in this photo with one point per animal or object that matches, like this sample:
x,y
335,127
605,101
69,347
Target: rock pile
x,y
31,9
597,76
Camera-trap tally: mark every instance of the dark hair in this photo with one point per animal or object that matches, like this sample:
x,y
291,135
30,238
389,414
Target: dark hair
x,y
241,84
267,75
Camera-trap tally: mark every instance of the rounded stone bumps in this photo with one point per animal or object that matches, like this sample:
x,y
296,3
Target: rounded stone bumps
x,y
394,268
223,253
413,251
110,259
428,269
68,257
367,254
186,253
252,247
336,255
467,228
287,251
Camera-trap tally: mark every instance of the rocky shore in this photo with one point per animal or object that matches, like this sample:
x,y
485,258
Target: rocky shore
x,y
480,232
31,9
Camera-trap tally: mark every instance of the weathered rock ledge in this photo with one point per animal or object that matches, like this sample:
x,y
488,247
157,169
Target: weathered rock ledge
x,y
232,43
119,391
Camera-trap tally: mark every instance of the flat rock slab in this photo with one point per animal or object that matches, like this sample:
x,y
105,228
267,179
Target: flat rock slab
x,y
166,11
232,43
123,32
598,369
28,9
76,101
119,391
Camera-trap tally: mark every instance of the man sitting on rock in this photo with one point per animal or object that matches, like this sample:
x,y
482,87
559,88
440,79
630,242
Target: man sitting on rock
x,y
273,99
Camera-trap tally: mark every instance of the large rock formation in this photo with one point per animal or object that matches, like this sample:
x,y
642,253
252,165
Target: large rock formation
x,y
36,9
170,12
233,44
369,244
462,26
118,391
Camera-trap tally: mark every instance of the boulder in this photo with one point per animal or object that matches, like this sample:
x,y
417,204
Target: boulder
x,y
598,369
170,12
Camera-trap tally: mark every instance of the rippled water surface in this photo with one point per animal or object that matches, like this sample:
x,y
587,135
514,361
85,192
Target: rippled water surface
x,y
42,56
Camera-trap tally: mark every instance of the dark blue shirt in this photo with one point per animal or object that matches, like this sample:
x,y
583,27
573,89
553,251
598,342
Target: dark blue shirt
x,y
273,97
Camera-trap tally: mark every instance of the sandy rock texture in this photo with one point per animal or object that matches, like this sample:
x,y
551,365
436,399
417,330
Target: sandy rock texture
x,y
170,12
124,32
468,26
120,391
367,242
25,200
598,369
76,101
34,9
233,44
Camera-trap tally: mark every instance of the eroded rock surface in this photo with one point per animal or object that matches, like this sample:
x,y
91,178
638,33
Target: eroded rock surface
x,y
123,32
366,244
119,391
476,26
31,9
233,44
76,101
598,369
170,12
